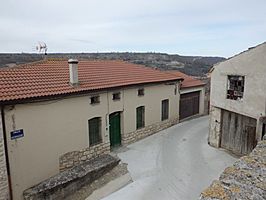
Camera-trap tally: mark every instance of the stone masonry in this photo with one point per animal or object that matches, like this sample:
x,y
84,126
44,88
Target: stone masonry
x,y
245,180
4,191
147,130
74,158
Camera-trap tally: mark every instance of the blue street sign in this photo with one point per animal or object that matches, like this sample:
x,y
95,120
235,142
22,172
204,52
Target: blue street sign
x,y
17,134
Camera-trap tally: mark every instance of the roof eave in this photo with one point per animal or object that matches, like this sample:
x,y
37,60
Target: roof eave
x,y
76,93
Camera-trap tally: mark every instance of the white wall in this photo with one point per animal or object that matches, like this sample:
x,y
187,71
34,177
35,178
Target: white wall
x,y
53,128
252,65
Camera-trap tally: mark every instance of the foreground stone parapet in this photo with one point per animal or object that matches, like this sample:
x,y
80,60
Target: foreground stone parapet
x,y
245,180
68,181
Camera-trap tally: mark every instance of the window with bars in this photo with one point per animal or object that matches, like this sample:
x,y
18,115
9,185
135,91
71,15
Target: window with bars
x,y
235,87
140,114
165,109
95,131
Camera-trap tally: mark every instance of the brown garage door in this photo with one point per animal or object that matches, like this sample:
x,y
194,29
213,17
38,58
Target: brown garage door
x,y
238,132
189,104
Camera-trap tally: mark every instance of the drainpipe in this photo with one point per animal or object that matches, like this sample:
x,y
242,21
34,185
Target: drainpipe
x,y
6,153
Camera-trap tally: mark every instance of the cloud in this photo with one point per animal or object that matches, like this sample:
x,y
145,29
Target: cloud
x,y
207,27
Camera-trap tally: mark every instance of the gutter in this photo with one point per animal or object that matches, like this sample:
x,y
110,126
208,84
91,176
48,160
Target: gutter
x,y
6,153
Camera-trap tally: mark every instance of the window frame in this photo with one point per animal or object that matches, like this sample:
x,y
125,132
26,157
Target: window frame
x,y
95,138
141,92
235,88
140,122
115,95
96,101
165,109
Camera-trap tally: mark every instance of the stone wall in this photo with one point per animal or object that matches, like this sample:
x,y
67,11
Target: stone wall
x,y
245,180
4,191
146,131
74,158
71,180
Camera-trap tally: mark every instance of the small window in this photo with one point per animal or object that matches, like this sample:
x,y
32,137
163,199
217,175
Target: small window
x,y
235,87
140,112
141,92
95,131
95,99
165,109
116,96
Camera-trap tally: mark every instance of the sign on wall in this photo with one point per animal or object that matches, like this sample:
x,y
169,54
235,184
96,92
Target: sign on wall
x,y
17,134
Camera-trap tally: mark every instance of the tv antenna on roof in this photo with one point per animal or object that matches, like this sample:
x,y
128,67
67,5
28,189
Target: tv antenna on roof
x,y
42,48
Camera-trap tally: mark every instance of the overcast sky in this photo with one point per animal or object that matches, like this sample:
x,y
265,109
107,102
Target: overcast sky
x,y
186,27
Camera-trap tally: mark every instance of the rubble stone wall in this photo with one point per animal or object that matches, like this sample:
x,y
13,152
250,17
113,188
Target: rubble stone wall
x,y
245,180
147,130
74,158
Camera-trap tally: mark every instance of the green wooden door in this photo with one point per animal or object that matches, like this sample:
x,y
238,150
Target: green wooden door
x,y
115,129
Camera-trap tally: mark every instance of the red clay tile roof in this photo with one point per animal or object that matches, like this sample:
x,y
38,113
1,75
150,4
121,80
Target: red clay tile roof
x,y
51,77
188,80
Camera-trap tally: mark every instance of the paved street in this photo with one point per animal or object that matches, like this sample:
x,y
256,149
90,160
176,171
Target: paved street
x,y
176,163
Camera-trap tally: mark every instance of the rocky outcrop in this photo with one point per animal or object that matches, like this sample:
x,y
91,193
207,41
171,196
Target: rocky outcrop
x,y
245,180
71,180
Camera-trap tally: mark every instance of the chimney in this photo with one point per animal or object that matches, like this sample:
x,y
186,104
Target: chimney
x,y
73,72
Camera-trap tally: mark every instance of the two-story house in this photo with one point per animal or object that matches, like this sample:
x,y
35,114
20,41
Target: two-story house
x,y
238,101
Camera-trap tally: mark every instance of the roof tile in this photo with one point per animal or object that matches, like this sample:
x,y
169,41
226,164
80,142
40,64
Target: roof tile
x,y
51,77
188,80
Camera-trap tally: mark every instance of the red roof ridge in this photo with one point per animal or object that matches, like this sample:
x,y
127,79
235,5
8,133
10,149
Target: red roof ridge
x,y
189,81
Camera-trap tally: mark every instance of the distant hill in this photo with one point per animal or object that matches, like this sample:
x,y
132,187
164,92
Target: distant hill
x,y
192,65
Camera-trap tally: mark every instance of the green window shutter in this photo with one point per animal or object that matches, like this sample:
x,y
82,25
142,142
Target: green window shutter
x,y
95,131
165,109
140,114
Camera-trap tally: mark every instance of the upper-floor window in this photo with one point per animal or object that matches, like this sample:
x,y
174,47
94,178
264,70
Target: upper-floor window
x,y
141,92
95,99
117,96
235,87
165,109
95,131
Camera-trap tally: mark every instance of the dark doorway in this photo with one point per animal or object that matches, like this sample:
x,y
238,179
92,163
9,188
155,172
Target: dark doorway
x,y
263,131
115,129
189,104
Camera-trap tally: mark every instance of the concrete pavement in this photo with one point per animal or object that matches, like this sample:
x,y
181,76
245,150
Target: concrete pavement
x,y
176,163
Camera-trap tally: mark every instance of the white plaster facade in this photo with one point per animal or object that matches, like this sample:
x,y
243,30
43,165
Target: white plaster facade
x,y
252,65
55,127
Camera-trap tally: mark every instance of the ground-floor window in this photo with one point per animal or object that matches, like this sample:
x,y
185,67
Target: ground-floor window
x,y
165,109
95,131
140,112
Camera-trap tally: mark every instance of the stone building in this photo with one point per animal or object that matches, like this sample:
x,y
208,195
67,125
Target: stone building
x,y
238,101
4,187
